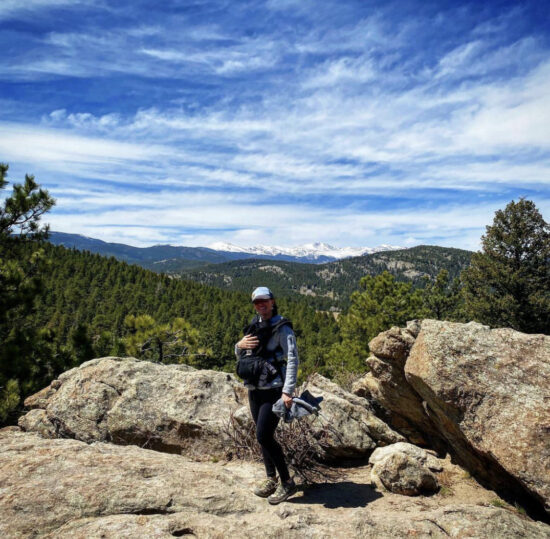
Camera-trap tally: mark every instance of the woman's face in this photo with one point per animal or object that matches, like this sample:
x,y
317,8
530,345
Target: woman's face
x,y
264,307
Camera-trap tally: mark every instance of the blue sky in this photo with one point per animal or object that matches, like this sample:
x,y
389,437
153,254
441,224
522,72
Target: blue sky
x,y
277,122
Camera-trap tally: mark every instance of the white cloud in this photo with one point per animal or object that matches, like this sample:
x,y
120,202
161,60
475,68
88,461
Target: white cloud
x,y
305,146
459,58
342,71
84,120
360,36
248,56
29,144
390,129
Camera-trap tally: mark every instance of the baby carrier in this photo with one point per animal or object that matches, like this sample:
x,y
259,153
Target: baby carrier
x,y
253,365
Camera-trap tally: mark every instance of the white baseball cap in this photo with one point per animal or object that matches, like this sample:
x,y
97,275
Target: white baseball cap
x,y
262,292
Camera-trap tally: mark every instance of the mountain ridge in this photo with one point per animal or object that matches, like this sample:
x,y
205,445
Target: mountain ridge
x,y
166,257
326,285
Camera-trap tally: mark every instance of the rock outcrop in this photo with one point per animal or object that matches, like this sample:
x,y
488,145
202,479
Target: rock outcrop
x,y
485,393
85,467
66,488
488,393
170,408
386,386
177,409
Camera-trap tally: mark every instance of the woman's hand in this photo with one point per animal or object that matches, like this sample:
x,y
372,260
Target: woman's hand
x,y
248,342
287,399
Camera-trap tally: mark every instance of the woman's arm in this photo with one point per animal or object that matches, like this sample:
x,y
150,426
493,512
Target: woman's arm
x,y
287,340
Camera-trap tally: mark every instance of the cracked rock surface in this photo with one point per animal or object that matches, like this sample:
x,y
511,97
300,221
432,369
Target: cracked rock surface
x,y
488,393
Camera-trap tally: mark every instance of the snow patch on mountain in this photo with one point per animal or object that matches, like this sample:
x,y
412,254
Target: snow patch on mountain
x,y
308,250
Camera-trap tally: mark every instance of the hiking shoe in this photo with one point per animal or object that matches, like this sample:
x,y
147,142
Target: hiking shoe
x,y
266,488
284,491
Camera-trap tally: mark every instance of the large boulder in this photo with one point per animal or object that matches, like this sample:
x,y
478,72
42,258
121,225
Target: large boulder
x,y
55,488
402,474
353,428
488,393
170,408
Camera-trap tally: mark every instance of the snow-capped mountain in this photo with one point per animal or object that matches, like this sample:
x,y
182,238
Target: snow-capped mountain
x,y
177,257
312,251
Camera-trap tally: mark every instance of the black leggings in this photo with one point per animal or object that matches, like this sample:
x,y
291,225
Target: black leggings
x,y
261,401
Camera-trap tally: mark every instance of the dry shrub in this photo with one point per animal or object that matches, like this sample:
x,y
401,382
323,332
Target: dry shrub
x,y
242,443
303,445
305,448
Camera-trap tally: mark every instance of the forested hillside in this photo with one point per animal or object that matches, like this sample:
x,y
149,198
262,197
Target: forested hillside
x,y
329,286
326,286
86,299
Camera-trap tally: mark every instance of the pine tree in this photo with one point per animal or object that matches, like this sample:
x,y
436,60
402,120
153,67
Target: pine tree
x,y
21,261
81,344
381,302
22,210
443,300
176,342
508,282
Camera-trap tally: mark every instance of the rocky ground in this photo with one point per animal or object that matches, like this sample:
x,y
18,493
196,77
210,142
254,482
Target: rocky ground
x,y
67,488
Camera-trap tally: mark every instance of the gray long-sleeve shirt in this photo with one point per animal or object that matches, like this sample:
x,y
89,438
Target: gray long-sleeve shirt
x,y
282,345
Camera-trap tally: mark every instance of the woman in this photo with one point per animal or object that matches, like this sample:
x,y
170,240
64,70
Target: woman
x,y
281,346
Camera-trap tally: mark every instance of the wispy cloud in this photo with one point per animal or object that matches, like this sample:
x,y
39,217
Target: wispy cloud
x,y
29,143
318,120
194,218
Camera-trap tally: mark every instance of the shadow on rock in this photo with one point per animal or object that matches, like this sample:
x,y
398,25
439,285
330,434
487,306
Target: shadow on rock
x,y
333,495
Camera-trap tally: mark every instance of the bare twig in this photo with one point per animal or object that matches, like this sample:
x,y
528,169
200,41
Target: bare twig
x,y
303,445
